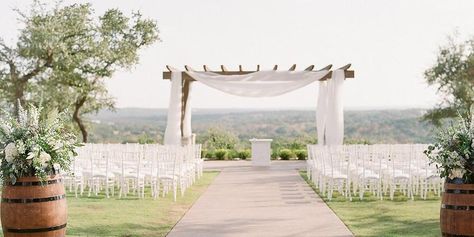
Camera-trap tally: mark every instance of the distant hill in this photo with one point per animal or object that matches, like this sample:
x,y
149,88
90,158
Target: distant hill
x,y
375,126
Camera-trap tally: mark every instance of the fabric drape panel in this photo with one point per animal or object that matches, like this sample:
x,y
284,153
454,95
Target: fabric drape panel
x,y
187,131
321,111
258,84
335,109
173,124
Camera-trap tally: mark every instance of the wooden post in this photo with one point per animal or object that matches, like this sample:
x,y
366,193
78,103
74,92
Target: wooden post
x,y
184,101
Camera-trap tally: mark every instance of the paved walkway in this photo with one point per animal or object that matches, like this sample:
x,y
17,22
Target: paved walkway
x,y
249,201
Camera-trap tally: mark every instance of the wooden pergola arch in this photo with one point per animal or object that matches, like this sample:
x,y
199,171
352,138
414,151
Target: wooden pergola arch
x,y
187,79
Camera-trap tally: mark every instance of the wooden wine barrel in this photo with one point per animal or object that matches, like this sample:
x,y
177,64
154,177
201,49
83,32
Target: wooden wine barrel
x,y
457,210
30,208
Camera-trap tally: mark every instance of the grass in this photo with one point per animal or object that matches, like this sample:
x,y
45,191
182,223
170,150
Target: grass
x,y
127,217
401,217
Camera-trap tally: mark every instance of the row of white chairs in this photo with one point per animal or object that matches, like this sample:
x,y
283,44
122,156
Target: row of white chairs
x,y
131,168
382,169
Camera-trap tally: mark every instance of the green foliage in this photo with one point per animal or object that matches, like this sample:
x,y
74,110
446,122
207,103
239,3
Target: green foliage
x,y
221,154
453,75
231,154
453,151
146,139
286,154
244,154
210,154
216,138
301,154
34,145
274,154
63,56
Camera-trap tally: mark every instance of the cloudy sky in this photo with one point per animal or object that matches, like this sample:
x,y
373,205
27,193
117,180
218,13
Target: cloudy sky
x,y
389,43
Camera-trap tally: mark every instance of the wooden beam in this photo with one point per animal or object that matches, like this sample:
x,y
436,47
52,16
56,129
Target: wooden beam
x,y
186,76
326,68
223,68
240,68
258,67
188,68
345,67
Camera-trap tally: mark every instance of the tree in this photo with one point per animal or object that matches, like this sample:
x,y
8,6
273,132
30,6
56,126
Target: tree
x,y
453,74
216,138
64,54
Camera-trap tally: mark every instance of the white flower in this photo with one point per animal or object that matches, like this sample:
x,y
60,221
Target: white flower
x,y
456,173
10,152
33,117
31,155
58,146
44,159
56,166
20,146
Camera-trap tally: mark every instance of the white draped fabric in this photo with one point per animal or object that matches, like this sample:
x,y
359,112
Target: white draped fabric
x,y
259,84
321,111
173,127
335,110
263,84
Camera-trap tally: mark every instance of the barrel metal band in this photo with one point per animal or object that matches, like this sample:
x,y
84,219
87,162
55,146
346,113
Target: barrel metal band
x,y
454,207
458,191
38,230
36,183
33,200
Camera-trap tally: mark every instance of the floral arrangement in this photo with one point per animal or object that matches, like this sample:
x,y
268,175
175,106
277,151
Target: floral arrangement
x,y
35,145
453,152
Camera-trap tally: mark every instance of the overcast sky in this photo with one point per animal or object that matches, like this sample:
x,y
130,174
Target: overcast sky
x,y
389,43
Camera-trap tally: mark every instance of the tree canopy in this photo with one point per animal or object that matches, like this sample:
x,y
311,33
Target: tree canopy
x,y
453,75
64,54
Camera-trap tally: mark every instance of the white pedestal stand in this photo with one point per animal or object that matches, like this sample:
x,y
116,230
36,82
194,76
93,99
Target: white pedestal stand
x,y
261,152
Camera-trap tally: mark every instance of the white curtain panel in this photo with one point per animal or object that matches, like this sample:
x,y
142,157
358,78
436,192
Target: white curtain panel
x,y
321,111
258,84
173,124
335,109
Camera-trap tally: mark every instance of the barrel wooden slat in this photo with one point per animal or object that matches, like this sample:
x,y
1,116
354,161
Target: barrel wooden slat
x,y
457,210
458,199
33,210
459,186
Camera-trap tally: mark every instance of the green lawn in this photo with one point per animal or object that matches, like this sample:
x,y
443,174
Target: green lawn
x,y
127,217
388,218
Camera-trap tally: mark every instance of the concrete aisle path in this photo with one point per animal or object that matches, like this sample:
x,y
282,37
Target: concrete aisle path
x,y
249,201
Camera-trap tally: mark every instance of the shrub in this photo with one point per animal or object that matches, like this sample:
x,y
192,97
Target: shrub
x,y
286,154
301,154
232,154
274,154
210,154
221,154
244,154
